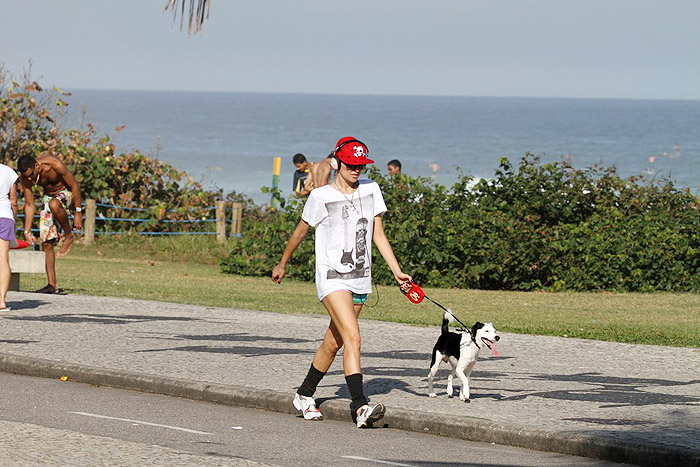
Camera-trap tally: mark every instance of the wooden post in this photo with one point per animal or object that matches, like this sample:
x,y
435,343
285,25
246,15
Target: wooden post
x,y
236,218
89,222
221,221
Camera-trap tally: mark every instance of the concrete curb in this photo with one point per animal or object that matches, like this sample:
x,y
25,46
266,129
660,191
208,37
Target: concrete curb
x,y
467,428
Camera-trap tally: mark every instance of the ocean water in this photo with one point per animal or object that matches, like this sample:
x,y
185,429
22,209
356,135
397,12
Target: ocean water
x,y
229,140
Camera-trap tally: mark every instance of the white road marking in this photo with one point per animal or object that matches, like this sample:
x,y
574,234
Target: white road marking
x,y
142,423
367,459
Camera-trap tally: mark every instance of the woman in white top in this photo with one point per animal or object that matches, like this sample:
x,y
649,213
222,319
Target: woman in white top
x,y
347,217
8,212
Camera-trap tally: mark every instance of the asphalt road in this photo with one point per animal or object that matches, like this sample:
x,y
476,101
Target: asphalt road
x,y
52,421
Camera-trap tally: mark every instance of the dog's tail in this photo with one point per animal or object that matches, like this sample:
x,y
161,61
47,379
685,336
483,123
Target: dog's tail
x,y
446,320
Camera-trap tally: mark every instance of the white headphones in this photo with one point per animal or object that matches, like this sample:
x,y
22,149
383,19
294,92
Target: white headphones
x,y
334,163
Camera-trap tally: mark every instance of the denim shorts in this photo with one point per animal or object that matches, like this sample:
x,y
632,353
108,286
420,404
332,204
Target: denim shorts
x,y
359,298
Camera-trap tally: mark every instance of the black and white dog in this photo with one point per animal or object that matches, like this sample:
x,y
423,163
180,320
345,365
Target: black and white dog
x,y
460,350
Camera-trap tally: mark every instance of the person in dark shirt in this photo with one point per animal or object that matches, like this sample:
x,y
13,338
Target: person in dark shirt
x,y
300,175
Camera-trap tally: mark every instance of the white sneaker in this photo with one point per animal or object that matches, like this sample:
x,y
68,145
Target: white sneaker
x,y
369,414
307,405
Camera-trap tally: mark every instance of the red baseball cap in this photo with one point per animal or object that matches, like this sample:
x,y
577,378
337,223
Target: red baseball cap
x,y
352,151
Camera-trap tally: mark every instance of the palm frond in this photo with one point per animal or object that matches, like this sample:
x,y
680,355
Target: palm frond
x,y
196,15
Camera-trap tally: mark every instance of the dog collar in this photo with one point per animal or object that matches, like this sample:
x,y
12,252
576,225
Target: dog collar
x,y
474,340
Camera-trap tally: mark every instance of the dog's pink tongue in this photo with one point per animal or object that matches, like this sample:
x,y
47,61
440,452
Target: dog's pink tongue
x,y
493,349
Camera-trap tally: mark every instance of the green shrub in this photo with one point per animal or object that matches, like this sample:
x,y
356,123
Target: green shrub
x,y
265,233
534,227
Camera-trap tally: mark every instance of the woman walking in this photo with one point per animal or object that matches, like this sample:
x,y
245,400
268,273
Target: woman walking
x,y
347,217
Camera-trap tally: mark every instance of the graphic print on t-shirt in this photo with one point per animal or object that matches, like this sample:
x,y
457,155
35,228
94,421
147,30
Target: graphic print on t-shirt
x,y
346,259
350,226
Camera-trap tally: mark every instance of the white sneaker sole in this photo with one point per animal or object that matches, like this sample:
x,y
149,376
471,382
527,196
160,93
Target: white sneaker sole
x,y
376,415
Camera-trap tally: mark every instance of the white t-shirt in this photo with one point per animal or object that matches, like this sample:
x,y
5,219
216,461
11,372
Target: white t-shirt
x,y
344,225
7,178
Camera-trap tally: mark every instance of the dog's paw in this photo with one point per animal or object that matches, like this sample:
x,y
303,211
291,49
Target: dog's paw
x,y
432,394
450,395
463,398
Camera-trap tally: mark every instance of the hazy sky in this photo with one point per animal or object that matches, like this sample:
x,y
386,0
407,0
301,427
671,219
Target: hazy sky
x,y
572,48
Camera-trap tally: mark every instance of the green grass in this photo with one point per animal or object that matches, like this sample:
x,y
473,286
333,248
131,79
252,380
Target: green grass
x,y
184,270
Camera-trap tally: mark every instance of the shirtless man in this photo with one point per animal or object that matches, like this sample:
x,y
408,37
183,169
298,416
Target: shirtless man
x,y
320,173
60,191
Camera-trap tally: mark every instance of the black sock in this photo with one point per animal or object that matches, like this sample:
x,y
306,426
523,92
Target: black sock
x,y
357,393
308,387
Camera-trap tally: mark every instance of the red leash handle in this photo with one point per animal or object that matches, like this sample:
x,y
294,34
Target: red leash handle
x,y
414,293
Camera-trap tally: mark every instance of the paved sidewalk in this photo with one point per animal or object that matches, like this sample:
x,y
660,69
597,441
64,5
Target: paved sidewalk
x,y
622,402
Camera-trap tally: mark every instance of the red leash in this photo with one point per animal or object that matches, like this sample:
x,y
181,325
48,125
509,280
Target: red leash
x,y
416,295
